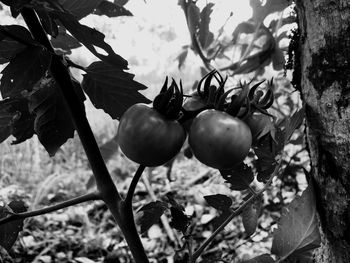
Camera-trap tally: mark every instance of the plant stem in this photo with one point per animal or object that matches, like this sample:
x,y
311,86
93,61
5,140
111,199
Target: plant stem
x,y
121,211
71,202
233,214
133,184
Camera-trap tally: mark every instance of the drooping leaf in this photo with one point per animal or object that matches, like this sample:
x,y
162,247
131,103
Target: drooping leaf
x,y
111,9
112,89
219,201
30,65
250,216
239,177
64,41
9,231
278,60
80,8
90,38
264,258
204,35
52,124
297,234
151,214
293,123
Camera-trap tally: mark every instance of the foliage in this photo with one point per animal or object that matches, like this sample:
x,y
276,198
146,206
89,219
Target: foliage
x,y
40,97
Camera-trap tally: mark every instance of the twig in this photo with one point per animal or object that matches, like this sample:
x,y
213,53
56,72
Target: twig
x,y
234,213
133,184
71,202
163,218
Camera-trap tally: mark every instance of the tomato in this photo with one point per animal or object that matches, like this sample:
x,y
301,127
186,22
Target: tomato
x,y
147,137
259,124
219,140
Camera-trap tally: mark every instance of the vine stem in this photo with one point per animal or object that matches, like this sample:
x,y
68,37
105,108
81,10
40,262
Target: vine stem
x,y
74,201
133,184
233,214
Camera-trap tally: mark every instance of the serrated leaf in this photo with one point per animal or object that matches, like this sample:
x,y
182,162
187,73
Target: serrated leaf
x,y
9,231
239,177
111,10
80,8
193,18
53,123
90,38
112,89
264,258
219,201
203,32
151,214
266,163
297,233
64,41
250,215
30,65
5,121
179,220
121,2
293,123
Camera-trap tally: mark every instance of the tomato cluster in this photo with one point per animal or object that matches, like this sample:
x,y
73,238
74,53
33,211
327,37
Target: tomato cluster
x,y
220,133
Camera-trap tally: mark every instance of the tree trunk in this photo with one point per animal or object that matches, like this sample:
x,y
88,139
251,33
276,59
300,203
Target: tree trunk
x,y
322,71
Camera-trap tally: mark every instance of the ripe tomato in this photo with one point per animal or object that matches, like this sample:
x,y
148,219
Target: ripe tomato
x,y
147,137
219,140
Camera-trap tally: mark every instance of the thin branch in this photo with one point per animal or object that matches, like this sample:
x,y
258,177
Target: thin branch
x,y
71,202
133,184
233,214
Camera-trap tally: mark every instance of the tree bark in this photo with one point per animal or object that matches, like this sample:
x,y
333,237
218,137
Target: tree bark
x,y
322,72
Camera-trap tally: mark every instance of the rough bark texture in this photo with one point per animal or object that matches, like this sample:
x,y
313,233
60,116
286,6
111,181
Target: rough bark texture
x,y
324,68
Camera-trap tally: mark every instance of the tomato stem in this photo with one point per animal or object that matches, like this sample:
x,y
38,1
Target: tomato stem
x,y
133,184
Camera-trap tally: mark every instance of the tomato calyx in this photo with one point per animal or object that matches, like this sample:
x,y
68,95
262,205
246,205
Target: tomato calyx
x,y
250,100
169,100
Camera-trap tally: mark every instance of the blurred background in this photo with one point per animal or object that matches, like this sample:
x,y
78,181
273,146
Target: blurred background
x,y
152,41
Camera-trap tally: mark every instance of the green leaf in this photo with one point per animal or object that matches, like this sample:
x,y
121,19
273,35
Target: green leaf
x,y
250,216
9,231
80,8
239,177
204,34
264,258
112,89
179,220
297,234
151,214
52,124
111,10
219,201
266,163
90,38
30,65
